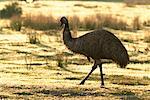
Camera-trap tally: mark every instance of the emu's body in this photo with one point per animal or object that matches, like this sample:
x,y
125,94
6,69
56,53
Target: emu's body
x,y
98,44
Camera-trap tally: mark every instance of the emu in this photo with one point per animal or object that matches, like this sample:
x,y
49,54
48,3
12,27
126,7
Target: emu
x,y
99,44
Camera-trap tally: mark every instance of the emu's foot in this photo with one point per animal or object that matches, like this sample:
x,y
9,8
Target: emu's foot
x,y
82,82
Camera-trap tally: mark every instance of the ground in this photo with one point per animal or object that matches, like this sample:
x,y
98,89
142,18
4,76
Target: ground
x,y
48,70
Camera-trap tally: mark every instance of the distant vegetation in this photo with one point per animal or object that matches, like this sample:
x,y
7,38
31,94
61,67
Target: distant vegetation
x,y
40,22
85,0
88,23
137,2
98,21
136,24
11,10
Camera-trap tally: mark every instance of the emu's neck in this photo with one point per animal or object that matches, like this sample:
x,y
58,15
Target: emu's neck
x,y
67,36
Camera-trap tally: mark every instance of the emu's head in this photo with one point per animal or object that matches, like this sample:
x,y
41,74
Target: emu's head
x,y
63,20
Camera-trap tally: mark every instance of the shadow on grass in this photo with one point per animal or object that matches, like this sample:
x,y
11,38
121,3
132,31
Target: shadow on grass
x,y
128,80
23,93
140,62
15,72
4,97
70,92
126,95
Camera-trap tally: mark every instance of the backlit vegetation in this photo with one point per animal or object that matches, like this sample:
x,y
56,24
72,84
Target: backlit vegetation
x,y
88,23
98,21
40,22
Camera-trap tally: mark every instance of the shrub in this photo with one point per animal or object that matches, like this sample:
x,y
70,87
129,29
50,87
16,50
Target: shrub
x,y
16,23
11,10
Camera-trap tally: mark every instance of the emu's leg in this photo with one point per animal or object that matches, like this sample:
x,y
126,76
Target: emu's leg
x,y
101,73
93,68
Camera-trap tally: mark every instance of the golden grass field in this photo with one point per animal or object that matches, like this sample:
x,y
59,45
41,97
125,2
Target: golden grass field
x,y
48,70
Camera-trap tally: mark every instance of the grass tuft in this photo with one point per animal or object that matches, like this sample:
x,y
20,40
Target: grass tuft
x,y
33,38
147,23
136,23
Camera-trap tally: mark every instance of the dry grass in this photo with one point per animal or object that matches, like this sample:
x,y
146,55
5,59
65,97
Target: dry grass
x,y
137,2
136,23
88,23
55,72
147,36
33,38
40,22
97,21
